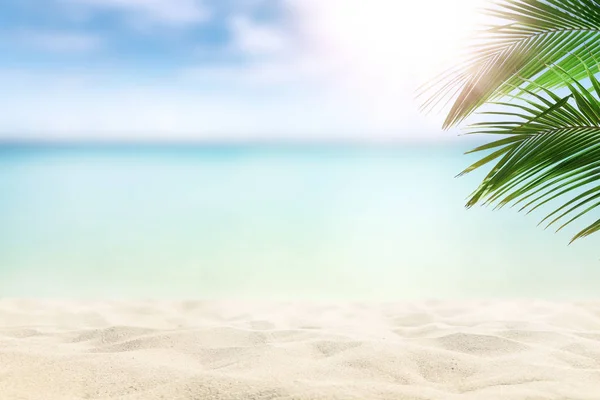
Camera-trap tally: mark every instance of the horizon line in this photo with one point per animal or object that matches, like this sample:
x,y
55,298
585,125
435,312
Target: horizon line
x,y
213,142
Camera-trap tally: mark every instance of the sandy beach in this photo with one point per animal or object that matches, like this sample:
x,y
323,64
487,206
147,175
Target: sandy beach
x,y
61,350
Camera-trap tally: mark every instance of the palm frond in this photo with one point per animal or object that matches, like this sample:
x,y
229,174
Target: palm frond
x,y
532,35
551,151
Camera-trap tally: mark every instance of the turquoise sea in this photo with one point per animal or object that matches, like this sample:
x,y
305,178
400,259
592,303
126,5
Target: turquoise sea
x,y
270,222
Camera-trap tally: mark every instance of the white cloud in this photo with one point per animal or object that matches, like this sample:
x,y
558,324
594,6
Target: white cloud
x,y
334,67
372,54
59,41
262,73
92,107
80,107
272,55
258,39
162,12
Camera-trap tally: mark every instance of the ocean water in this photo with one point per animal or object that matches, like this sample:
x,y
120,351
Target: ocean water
x,y
264,222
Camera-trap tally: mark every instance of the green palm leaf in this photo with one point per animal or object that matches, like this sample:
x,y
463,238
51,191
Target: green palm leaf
x,y
533,34
551,151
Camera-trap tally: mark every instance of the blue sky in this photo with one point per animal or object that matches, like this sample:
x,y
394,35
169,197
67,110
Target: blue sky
x,y
223,69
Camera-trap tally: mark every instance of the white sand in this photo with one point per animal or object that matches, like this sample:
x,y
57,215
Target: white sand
x,y
207,351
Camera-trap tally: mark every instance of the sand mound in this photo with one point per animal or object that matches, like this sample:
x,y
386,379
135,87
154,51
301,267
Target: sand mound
x,y
55,350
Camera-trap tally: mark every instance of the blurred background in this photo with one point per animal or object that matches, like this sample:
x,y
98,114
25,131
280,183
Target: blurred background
x,y
250,149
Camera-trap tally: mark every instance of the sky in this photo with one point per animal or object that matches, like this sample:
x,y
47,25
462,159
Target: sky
x,y
225,69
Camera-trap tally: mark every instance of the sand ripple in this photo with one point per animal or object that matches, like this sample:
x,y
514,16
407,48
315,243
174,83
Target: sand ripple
x,y
150,350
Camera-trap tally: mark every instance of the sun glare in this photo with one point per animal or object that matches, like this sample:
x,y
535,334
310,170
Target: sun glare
x,y
383,50
397,41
